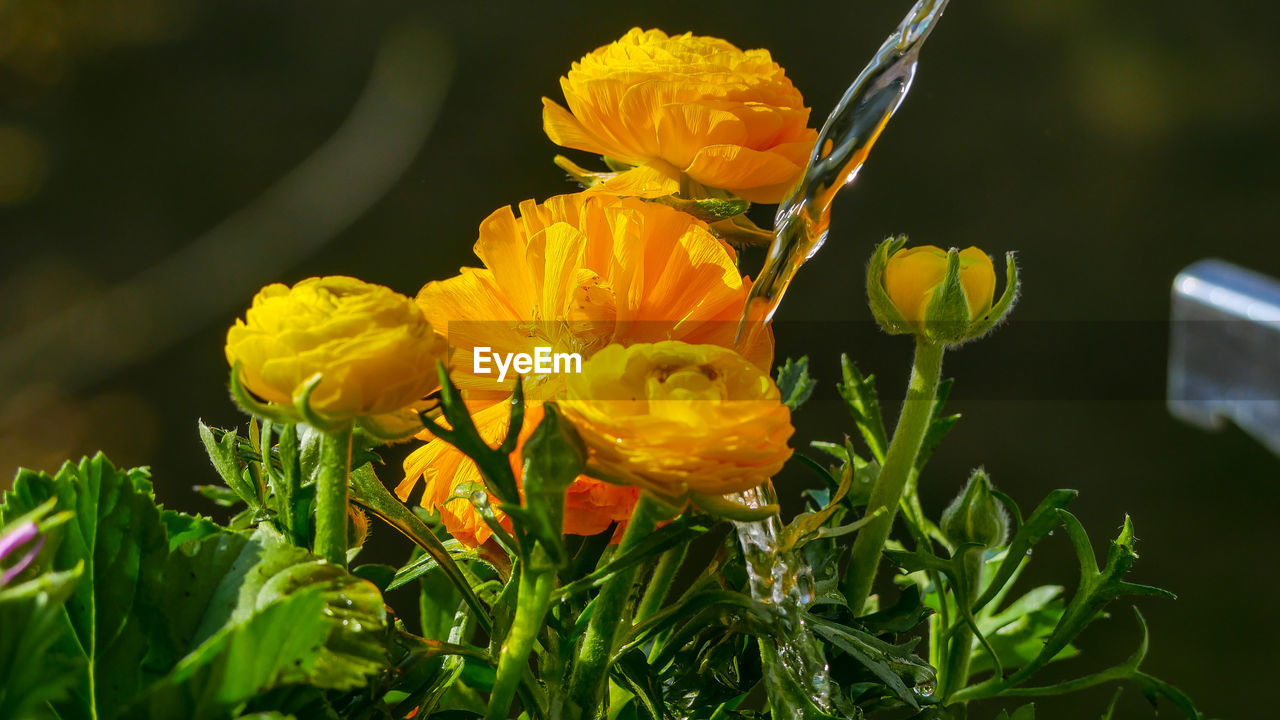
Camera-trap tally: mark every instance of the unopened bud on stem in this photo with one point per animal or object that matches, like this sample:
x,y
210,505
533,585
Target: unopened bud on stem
x,y
976,516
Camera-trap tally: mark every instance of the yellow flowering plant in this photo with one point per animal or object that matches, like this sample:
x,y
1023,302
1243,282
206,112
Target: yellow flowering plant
x,y
330,352
551,508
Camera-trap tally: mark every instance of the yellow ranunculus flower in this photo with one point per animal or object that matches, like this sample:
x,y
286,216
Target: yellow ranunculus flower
x,y
913,274
677,418
374,347
685,104
576,273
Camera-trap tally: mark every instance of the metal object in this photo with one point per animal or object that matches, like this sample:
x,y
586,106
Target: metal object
x,y
1224,350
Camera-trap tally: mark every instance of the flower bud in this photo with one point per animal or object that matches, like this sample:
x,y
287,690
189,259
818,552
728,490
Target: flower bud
x,y
942,296
976,516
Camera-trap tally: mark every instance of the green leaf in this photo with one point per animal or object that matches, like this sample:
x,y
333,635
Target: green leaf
x,y
859,393
1111,706
119,539
31,621
1020,640
794,382
438,605
1037,527
632,671
369,492
429,669
695,605
1152,688
182,528
895,665
378,574
904,616
681,530
1097,588
267,570
807,525
278,645
226,460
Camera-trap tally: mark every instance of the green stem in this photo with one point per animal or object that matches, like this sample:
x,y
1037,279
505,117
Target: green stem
x,y
913,423
660,582
590,671
955,668
331,495
537,578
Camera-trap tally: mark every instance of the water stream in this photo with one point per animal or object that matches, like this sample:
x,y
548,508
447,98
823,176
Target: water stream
x,y
800,227
784,582
801,223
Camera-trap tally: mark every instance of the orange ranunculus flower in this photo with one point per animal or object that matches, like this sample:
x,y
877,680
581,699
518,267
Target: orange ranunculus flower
x,y
375,349
576,274
591,505
685,105
678,419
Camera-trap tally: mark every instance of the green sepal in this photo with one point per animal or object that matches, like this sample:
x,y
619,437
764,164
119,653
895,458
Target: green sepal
x,y
885,312
32,621
275,413
302,403
1001,308
740,231
707,209
946,317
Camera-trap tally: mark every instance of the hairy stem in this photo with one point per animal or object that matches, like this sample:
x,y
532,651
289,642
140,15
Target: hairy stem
x,y
660,582
959,653
331,496
591,671
913,423
537,579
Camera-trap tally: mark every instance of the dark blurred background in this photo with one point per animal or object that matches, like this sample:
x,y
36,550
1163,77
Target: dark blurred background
x,y
160,161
